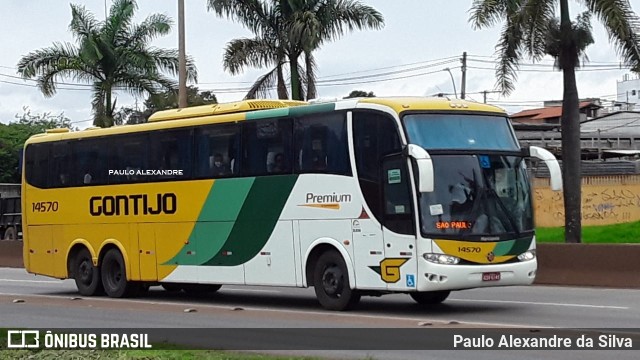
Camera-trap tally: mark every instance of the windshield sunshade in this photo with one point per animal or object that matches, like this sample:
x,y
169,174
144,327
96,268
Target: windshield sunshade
x,y
460,132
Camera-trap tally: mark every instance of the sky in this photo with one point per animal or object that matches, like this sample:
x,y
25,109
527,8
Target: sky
x,y
416,35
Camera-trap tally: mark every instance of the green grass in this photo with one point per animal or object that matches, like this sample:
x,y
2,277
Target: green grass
x,y
606,234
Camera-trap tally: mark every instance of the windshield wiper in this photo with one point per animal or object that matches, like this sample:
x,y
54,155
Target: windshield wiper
x,y
492,191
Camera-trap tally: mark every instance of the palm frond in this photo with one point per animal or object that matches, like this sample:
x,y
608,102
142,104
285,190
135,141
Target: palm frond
x,y
83,23
262,86
283,93
623,27
153,26
339,16
253,14
119,20
256,52
142,84
487,13
535,16
509,53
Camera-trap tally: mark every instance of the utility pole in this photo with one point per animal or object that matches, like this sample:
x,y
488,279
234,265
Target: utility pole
x,y
484,94
182,65
463,88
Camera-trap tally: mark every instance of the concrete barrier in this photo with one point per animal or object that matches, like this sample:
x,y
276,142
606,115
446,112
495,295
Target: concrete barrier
x,y
607,265
616,266
11,254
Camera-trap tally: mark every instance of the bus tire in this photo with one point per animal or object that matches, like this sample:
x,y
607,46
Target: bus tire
x,y
87,276
114,276
331,283
430,297
10,234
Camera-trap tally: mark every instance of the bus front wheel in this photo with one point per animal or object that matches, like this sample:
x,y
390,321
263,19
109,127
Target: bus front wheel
x,y
86,275
331,283
430,297
114,276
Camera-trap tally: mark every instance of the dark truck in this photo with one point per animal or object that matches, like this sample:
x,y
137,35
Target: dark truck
x,y
10,218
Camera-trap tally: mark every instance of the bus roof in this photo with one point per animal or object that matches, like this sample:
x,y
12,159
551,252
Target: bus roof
x,y
263,109
224,108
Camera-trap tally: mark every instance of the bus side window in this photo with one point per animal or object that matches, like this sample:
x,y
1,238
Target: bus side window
x,y
37,164
216,151
171,150
90,162
268,147
128,153
321,144
59,165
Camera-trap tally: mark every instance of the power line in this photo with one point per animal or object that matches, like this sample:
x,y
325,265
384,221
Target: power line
x,y
549,71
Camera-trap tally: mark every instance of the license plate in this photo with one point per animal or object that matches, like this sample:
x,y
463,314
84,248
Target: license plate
x,y
491,276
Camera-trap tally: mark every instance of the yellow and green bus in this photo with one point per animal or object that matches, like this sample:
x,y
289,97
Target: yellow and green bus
x,y
352,197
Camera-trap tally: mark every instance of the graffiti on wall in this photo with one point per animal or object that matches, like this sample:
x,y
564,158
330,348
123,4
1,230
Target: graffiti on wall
x,y
601,205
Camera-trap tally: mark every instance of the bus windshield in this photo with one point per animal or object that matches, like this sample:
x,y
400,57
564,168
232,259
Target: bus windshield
x,y
460,132
479,197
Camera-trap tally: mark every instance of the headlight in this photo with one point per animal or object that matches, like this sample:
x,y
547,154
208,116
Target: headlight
x,y
441,258
527,255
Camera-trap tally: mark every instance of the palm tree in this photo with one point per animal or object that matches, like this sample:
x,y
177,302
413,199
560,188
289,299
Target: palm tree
x,y
525,33
111,55
286,30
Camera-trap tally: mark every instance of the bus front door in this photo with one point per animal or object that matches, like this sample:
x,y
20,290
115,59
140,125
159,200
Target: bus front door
x,y
399,268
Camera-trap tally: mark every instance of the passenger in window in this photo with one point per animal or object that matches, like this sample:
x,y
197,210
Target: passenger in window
x,y
64,179
319,163
219,168
278,166
87,177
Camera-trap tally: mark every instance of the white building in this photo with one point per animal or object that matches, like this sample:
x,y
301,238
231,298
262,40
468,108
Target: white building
x,y
628,94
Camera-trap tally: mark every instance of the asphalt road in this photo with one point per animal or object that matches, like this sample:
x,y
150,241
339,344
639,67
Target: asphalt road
x,y
51,303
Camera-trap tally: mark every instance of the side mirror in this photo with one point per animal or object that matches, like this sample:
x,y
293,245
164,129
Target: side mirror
x,y
552,164
425,167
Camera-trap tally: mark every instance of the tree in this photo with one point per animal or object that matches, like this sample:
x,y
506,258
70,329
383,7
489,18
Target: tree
x,y
14,135
359,93
526,32
111,55
167,99
285,31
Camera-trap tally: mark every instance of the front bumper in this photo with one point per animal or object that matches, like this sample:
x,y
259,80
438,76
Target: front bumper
x,y
433,277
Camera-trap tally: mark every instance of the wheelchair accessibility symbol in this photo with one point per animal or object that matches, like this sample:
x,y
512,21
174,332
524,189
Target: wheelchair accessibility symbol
x,y
411,280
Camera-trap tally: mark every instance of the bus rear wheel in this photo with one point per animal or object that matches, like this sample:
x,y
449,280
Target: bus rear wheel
x,y
430,297
86,275
331,283
114,276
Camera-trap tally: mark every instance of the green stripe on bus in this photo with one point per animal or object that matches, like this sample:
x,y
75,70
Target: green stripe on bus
x,y
502,248
512,247
263,114
311,109
520,246
256,221
215,222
